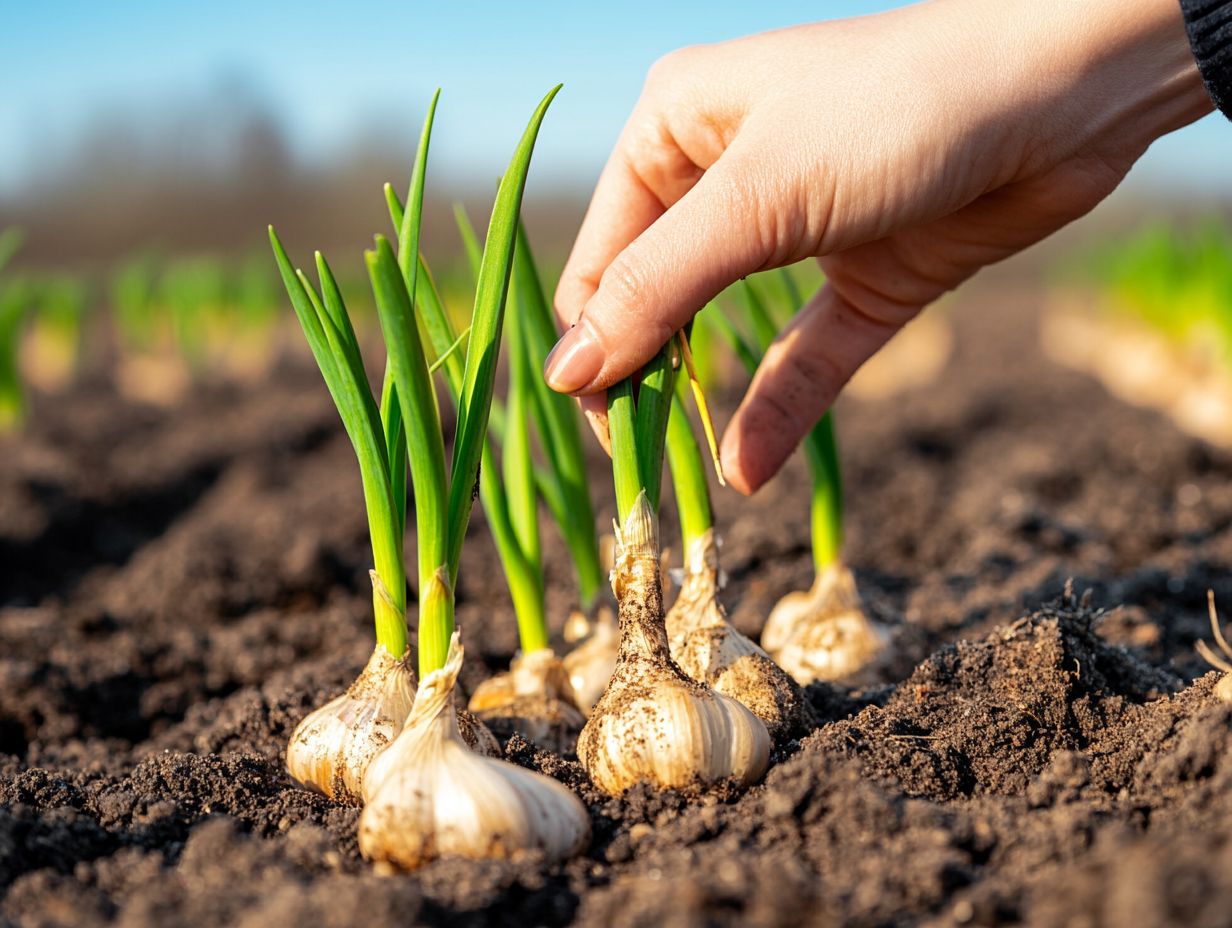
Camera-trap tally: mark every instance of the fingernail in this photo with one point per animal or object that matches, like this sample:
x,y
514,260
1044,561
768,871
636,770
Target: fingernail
x,y
574,362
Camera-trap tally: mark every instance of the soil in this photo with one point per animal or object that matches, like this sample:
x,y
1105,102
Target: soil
x,y
178,588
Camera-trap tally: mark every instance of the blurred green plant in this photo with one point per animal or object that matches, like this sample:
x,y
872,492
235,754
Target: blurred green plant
x,y
1176,280
14,299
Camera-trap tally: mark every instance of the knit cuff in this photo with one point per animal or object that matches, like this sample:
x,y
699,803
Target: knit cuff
x,y
1209,25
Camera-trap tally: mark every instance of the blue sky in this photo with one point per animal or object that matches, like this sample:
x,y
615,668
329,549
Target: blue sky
x,y
333,73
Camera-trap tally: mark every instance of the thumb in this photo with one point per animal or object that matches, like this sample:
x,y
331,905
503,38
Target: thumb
x,y
797,381
705,241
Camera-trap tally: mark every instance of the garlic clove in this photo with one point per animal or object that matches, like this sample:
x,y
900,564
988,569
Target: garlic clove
x,y
332,747
591,663
535,698
824,634
653,723
709,649
430,796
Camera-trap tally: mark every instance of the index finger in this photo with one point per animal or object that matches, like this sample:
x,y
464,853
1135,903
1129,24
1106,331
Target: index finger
x,y
641,179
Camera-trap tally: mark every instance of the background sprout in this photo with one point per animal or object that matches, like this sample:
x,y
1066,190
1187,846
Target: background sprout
x,y
14,299
54,341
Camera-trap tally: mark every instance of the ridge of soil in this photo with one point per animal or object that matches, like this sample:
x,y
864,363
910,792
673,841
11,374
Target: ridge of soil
x,y
178,588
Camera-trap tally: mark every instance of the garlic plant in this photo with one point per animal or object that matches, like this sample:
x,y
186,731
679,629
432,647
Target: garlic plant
x,y
654,723
429,796
821,634
705,645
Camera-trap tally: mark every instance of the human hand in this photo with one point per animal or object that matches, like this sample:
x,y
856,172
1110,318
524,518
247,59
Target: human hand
x,y
904,150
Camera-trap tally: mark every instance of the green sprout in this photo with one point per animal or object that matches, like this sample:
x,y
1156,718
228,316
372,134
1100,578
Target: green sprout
x,y
14,301
444,491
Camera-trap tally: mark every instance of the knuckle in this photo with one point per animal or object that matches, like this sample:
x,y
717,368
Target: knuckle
x,y
667,69
625,284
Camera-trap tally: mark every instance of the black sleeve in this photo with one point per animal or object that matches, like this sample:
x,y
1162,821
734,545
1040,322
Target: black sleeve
x,y
1209,24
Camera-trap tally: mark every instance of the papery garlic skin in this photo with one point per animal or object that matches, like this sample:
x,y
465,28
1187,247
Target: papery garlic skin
x,y
476,735
709,649
330,750
823,634
535,699
590,664
654,723
428,795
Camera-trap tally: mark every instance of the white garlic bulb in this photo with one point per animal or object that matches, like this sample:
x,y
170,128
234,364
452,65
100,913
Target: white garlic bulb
x,y
823,634
331,748
535,699
590,664
653,722
428,795
709,649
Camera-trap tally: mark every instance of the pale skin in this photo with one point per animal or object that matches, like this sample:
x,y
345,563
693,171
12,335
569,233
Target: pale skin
x,y
904,151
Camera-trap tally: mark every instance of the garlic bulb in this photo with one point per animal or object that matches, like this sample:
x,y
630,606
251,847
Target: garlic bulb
x,y
591,663
710,650
430,796
653,722
534,698
823,634
331,748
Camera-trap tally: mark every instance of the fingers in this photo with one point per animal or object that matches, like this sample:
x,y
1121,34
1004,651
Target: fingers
x,y
622,208
798,380
671,138
710,238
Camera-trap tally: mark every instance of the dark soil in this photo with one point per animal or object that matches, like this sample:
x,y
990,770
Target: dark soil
x,y
177,589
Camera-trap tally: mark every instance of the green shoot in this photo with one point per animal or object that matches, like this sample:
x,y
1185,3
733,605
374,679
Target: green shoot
x,y
332,341
473,390
408,409
523,576
638,431
558,423
479,377
470,241
688,469
516,450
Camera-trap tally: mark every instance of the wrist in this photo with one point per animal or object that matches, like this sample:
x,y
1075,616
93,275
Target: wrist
x,y
1126,72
